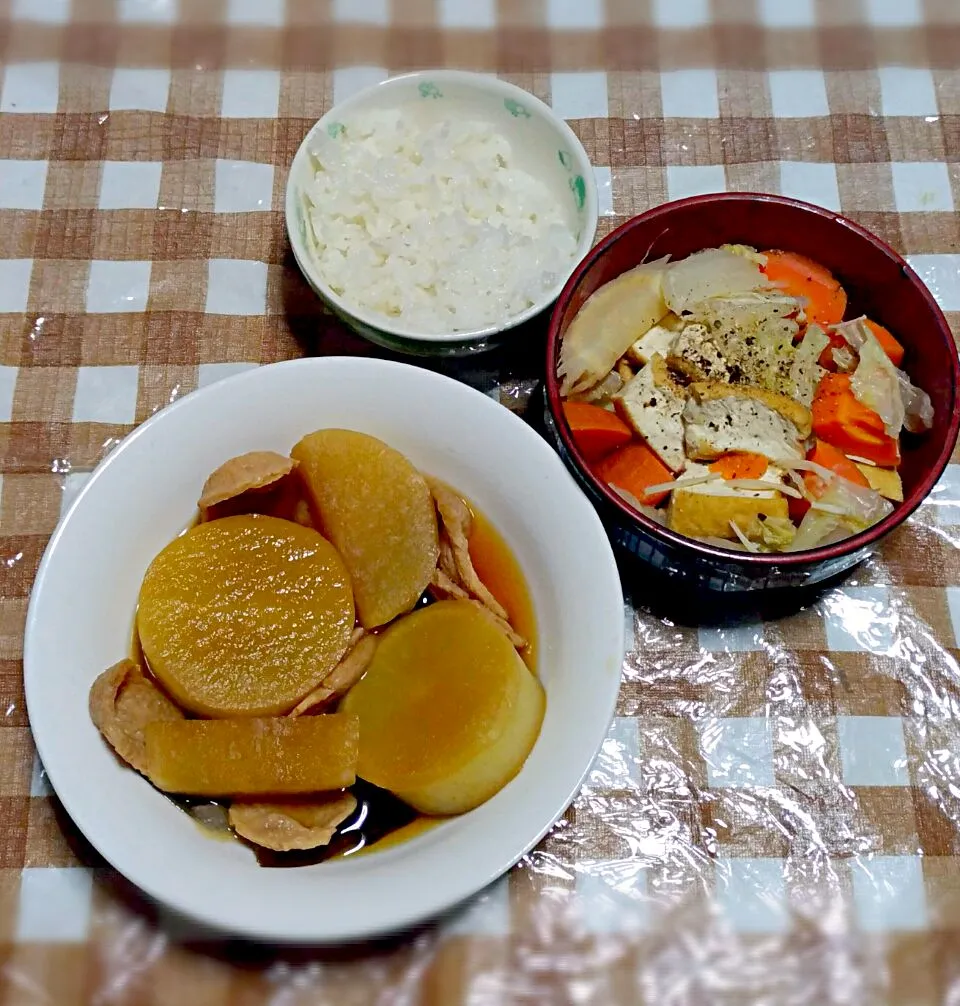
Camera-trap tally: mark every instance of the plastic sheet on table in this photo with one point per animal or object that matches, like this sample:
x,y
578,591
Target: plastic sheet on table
x,y
773,817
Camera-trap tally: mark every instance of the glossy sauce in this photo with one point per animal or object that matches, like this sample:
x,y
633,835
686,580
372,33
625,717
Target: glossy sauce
x,y
381,820
499,570
378,818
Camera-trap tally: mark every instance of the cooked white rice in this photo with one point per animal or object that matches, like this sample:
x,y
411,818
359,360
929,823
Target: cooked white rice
x,y
435,228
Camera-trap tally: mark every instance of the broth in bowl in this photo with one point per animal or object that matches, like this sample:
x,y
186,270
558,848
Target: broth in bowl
x,y
318,661
139,501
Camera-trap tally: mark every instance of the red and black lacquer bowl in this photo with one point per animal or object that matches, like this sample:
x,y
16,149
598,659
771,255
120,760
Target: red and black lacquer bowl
x,y
878,282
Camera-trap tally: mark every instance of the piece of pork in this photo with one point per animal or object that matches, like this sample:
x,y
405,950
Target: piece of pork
x,y
456,521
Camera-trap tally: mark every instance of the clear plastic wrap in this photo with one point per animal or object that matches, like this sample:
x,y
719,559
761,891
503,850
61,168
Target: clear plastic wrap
x,y
773,818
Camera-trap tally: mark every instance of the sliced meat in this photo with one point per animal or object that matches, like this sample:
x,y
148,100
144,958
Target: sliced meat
x,y
294,825
123,700
447,563
652,403
246,473
343,677
456,521
720,419
511,633
443,588
455,578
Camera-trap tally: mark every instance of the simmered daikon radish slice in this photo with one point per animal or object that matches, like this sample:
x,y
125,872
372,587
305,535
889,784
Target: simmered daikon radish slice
x,y
244,616
377,509
448,711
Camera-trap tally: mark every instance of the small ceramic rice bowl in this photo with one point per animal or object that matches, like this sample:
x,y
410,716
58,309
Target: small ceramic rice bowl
x,y
543,146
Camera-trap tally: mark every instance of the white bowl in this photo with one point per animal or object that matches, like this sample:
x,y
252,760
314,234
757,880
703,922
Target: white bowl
x,y
544,146
82,609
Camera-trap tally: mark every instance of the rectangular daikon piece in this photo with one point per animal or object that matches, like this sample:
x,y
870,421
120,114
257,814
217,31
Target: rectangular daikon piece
x,y
253,757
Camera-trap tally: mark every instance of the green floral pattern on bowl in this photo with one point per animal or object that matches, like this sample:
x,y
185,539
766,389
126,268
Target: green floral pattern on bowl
x,y
577,185
516,109
522,121
579,189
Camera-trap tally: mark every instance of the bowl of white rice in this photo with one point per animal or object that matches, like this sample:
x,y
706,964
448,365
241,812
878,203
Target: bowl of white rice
x,y
437,211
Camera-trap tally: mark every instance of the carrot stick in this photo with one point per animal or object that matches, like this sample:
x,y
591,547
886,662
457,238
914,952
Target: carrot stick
x,y
829,457
888,343
800,276
837,341
596,431
633,468
740,465
842,420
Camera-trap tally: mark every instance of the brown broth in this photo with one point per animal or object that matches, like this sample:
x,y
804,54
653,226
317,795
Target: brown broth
x,y
378,818
500,572
382,820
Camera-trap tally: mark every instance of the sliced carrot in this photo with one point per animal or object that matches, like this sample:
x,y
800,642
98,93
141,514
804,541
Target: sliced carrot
x,y
888,343
837,341
842,420
740,465
797,508
800,276
633,468
830,457
596,431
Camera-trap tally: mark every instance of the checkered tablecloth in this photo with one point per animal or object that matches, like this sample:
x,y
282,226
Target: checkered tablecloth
x,y
775,816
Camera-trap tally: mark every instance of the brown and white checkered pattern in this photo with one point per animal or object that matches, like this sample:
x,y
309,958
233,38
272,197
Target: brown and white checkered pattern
x,y
775,815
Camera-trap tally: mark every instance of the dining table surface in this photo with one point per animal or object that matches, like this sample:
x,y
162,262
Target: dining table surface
x,y
774,816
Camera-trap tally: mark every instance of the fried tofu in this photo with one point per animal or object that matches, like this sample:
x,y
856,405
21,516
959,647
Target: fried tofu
x,y
708,515
652,404
789,408
695,355
657,341
719,419
885,481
